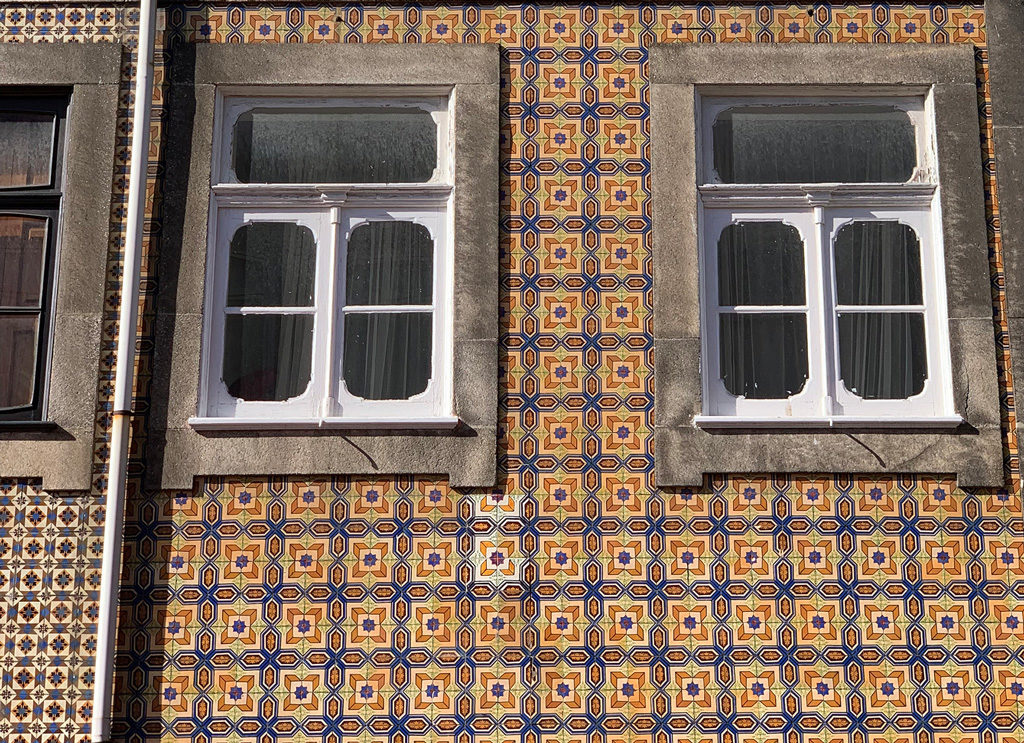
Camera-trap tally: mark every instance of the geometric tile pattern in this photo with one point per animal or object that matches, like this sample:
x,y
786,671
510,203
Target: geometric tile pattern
x,y
49,586
576,602
763,611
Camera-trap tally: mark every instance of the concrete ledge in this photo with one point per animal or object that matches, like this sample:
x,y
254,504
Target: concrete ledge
x,y
343,64
191,454
468,454
63,455
1004,30
811,64
685,453
91,63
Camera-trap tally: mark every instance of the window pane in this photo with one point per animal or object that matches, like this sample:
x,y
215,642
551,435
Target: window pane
x,y
19,339
760,263
814,143
272,264
26,157
387,355
22,258
390,263
877,263
334,145
267,357
763,357
882,356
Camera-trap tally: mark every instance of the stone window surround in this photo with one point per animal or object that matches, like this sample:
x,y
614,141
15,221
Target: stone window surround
x,y
1004,27
467,455
685,453
59,449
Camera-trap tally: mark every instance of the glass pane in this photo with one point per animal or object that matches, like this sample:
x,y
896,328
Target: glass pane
x,y
387,355
882,356
814,143
334,145
763,357
272,264
19,339
267,357
26,156
22,258
760,263
390,263
877,263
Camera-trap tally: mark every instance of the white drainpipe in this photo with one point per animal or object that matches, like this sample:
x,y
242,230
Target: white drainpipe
x,y
117,474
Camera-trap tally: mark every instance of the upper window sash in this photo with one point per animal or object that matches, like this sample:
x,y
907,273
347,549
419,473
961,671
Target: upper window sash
x,y
917,108
46,104
231,106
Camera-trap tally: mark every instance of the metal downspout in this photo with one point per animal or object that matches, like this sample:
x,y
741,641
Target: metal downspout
x,y
124,376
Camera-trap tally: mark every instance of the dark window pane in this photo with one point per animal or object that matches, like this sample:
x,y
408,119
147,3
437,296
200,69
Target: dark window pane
x,y
22,258
387,355
19,340
763,357
272,264
882,356
760,263
390,263
814,144
267,357
877,263
334,145
26,157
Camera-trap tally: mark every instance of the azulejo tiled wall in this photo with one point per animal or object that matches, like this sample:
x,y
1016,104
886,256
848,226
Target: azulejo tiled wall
x,y
51,545
576,602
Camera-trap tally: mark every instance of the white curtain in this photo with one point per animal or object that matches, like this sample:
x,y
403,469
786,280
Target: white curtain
x,y
26,155
335,145
882,355
762,356
814,144
387,355
269,356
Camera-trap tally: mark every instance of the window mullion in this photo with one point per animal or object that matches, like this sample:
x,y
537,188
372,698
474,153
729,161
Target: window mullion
x,y
827,351
329,313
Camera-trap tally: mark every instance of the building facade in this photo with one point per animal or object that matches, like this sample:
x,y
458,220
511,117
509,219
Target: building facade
x,y
810,530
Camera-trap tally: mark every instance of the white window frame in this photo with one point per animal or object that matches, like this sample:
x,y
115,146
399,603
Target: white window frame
x,y
331,211
818,211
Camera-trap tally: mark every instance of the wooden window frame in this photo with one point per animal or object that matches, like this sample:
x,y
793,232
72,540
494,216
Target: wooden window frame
x,y
42,201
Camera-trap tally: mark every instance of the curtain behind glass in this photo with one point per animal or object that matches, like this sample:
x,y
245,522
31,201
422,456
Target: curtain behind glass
x,y
19,339
877,263
762,356
26,158
22,262
269,356
760,263
881,354
814,144
334,145
389,263
387,355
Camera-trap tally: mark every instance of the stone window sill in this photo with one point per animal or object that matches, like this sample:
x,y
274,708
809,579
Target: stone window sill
x,y
15,426
439,423
839,421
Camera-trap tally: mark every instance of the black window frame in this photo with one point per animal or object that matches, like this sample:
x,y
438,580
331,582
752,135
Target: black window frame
x,y
43,201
